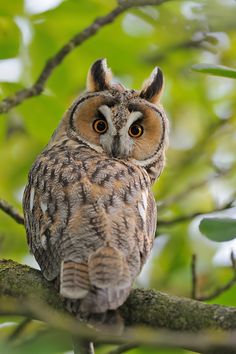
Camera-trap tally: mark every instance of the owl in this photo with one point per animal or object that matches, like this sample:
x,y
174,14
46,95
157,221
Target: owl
x,y
90,215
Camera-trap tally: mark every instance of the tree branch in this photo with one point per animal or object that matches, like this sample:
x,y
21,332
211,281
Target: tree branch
x,y
19,329
11,211
25,292
146,307
194,277
36,89
220,290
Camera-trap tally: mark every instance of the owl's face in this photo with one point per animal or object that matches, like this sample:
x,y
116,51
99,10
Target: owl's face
x,y
121,123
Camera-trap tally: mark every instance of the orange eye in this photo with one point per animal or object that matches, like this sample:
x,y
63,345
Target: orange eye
x,y
100,126
135,131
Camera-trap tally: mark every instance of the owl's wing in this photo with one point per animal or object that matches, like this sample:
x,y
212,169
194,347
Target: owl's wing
x,y
46,205
150,226
38,230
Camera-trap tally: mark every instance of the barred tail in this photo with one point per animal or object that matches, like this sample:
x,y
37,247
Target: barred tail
x,y
74,282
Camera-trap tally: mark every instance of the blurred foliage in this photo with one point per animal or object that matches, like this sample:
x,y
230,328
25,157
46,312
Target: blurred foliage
x,y
200,170
218,70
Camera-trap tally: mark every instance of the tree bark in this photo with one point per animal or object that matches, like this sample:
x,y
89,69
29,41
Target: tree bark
x,y
143,307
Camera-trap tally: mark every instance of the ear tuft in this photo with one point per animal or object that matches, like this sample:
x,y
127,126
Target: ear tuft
x,y
99,76
153,86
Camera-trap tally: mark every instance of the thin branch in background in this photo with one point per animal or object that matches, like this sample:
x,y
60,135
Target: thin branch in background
x,y
233,261
196,152
194,277
199,41
36,89
192,188
11,211
223,288
123,348
19,329
181,218
189,217
166,52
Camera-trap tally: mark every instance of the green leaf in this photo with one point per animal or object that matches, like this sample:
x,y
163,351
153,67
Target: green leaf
x,y
217,70
218,229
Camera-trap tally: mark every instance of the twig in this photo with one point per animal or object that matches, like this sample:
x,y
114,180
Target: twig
x,y
11,101
223,288
188,44
196,152
123,348
191,216
233,261
11,211
192,187
179,219
19,329
194,276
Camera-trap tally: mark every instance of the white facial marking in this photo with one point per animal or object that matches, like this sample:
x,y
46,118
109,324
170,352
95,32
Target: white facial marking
x,y
106,139
106,111
126,142
32,192
133,117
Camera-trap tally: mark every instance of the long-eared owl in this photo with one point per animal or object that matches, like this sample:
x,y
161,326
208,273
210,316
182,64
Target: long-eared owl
x,y
90,215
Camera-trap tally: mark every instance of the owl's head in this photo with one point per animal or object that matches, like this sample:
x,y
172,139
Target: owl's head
x,y
122,123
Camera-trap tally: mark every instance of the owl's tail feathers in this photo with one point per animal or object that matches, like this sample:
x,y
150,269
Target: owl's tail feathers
x,y
74,282
101,285
108,268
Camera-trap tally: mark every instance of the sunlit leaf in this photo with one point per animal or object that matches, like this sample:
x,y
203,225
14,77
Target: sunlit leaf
x,y
217,70
218,229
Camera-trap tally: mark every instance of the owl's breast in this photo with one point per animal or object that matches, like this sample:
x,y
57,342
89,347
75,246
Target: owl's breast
x,y
111,180
80,201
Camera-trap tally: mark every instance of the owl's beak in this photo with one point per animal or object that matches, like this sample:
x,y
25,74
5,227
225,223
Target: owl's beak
x,y
115,150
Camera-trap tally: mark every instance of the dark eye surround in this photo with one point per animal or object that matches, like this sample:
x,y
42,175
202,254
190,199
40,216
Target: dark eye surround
x,y
136,130
100,126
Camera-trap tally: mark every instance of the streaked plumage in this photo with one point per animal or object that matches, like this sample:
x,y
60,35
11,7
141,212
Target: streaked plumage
x,y
90,215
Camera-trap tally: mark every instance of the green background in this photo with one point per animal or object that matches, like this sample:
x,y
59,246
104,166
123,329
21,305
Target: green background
x,y
199,176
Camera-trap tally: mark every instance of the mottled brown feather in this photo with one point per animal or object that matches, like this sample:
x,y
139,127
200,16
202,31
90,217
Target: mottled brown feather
x,y
108,268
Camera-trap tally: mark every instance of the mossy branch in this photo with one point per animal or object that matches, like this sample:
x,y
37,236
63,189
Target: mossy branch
x,y
24,291
146,307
